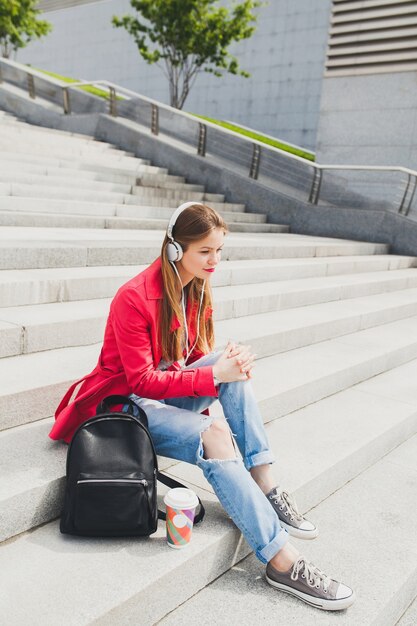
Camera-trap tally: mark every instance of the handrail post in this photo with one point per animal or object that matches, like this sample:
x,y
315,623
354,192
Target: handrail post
x,y
66,99
113,102
315,186
202,137
254,166
31,86
407,187
1,75
155,119
410,201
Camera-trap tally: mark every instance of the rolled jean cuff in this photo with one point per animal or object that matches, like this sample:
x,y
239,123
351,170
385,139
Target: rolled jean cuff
x,y
260,458
267,553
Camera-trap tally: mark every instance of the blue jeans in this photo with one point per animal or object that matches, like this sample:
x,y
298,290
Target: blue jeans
x,y
176,426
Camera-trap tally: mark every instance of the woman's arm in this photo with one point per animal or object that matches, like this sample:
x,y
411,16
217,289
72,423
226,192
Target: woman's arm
x,y
133,338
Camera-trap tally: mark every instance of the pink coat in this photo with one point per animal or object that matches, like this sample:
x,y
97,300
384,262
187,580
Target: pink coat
x,y
130,355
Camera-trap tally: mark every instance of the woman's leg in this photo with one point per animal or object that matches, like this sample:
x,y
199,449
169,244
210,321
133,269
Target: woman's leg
x,y
245,421
243,416
182,434
287,570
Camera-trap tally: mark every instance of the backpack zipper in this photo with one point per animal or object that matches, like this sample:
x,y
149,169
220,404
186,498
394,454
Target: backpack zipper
x,y
114,480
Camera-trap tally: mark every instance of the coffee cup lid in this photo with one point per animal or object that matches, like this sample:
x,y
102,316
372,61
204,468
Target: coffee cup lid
x,y
181,498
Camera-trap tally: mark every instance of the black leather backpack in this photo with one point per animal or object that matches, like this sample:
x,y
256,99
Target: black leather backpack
x,y
111,476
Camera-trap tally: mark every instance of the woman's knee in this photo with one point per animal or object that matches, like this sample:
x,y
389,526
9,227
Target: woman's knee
x,y
218,441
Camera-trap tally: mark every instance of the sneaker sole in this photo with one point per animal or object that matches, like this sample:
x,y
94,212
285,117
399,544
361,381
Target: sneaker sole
x,y
299,534
318,603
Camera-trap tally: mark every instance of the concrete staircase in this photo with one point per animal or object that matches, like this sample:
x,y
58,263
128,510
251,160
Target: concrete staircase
x,y
52,178
334,324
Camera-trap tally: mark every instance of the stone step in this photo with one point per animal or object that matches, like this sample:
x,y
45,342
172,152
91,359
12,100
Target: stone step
x,y
151,196
409,618
95,206
32,384
57,180
137,221
177,194
35,137
17,125
378,418
44,169
184,197
29,135
60,208
25,248
384,586
171,182
61,192
27,329
146,176
94,164
46,219
24,132
251,227
59,148
96,161
84,283
41,180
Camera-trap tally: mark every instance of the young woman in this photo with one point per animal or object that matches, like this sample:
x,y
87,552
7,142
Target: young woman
x,y
158,347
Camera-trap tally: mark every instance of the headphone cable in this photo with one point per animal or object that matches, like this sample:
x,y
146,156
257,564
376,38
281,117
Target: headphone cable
x,y
189,352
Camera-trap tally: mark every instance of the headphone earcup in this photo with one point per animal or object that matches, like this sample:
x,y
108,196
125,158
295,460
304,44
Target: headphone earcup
x,y
174,251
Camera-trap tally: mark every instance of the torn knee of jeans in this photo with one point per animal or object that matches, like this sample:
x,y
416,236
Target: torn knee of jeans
x,y
200,451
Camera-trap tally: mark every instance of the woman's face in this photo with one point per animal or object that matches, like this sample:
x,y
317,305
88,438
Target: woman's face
x,y
201,257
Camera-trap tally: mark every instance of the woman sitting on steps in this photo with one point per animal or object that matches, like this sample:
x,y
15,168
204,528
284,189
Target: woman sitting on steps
x,y
158,347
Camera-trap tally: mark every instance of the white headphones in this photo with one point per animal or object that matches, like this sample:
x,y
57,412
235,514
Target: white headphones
x,y
174,254
174,249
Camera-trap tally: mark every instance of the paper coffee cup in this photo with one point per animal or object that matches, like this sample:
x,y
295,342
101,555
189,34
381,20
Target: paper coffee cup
x,y
181,504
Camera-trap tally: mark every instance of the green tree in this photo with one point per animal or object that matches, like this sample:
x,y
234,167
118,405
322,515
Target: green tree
x,y
186,37
19,24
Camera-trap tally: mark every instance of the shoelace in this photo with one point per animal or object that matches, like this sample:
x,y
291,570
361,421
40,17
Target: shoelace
x,y
313,575
289,502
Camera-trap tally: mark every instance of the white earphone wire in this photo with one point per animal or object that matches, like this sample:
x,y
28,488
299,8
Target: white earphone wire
x,y
189,352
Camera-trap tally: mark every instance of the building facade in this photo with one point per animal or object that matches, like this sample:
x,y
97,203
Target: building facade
x,y
368,112
285,58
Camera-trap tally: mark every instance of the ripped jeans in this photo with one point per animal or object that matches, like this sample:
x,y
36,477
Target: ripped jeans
x,y
176,426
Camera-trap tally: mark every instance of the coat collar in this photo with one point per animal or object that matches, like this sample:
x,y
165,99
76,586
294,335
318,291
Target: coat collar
x,y
154,288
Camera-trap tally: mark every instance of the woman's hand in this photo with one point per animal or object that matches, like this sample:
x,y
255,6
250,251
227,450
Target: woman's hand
x,y
234,364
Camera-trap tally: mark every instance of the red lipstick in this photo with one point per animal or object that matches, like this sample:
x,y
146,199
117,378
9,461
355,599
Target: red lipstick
x,y
212,270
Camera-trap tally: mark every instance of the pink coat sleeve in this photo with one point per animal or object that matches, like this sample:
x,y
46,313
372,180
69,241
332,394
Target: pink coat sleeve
x,y
134,342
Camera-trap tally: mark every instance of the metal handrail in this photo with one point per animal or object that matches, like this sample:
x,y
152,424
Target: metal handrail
x,y
259,148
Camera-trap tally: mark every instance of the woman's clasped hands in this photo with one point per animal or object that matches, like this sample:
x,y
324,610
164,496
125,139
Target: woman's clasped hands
x,y
235,363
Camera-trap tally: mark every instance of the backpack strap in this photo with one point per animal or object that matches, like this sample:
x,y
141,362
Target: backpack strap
x,y
131,409
171,482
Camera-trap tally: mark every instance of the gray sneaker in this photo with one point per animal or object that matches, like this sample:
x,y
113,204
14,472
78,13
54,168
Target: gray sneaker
x,y
289,516
305,581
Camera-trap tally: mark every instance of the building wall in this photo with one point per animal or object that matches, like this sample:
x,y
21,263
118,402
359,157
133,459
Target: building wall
x,y
285,57
368,112
370,119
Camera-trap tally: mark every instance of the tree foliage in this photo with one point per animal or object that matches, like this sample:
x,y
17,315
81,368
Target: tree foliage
x,y
19,24
186,37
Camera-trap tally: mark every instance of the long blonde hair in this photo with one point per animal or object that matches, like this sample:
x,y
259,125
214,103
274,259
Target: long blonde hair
x,y
193,223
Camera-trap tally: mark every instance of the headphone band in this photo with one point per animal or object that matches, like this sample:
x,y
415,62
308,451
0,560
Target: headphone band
x,y
175,215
